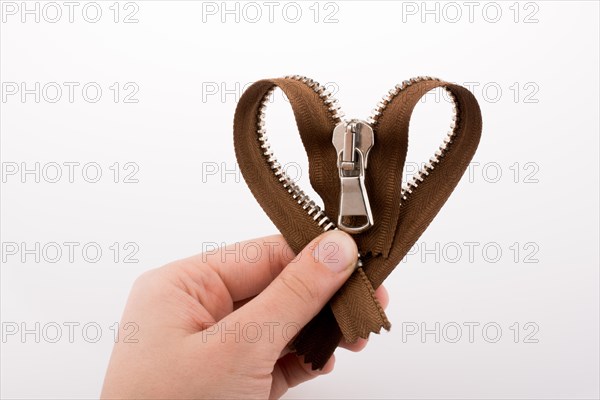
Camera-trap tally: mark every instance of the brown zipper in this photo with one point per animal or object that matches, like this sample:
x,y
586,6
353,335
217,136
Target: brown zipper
x,y
399,215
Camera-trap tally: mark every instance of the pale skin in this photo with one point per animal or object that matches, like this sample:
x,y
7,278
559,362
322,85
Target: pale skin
x,y
218,326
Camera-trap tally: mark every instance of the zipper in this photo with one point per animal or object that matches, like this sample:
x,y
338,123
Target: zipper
x,y
423,172
303,200
353,140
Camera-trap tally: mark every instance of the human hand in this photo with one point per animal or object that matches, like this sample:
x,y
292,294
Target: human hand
x,y
213,328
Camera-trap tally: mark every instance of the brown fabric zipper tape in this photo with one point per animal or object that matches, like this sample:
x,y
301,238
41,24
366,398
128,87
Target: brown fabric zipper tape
x,y
354,312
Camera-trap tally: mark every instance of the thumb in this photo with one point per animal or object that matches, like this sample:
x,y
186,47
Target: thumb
x,y
299,292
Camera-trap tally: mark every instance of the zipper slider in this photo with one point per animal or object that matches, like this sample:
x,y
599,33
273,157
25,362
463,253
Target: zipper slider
x,y
353,140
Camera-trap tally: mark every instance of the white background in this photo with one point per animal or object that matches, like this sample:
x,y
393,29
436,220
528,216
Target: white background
x,y
534,69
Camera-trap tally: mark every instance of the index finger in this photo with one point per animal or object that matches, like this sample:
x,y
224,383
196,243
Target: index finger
x,y
247,268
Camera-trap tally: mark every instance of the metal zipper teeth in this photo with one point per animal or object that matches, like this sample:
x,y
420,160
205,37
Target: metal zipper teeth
x,y
423,172
311,208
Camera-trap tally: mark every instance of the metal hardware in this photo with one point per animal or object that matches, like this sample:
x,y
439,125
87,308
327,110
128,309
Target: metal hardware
x,y
312,209
353,140
421,175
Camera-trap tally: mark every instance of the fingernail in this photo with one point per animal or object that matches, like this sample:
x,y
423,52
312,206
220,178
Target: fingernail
x,y
337,251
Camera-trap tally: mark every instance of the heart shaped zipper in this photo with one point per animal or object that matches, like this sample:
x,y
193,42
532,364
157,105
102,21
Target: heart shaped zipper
x,y
356,168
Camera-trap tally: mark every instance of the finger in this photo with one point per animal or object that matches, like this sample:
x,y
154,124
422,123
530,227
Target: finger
x,y
247,268
241,303
382,296
301,290
356,346
291,371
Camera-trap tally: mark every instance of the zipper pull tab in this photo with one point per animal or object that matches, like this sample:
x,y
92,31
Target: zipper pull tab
x,y
353,140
